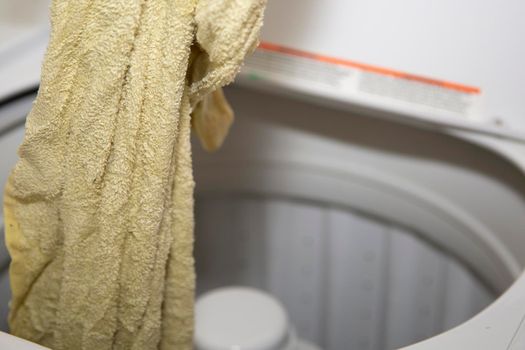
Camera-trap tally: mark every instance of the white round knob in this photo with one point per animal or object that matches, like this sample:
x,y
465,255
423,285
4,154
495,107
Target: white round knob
x,y
239,318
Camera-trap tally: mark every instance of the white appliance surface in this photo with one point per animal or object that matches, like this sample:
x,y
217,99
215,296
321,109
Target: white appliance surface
x,y
277,242
470,42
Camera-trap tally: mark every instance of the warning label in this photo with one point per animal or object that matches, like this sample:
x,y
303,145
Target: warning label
x,y
415,92
343,78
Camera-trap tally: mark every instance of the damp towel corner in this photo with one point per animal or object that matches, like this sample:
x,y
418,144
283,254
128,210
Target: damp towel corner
x,y
99,208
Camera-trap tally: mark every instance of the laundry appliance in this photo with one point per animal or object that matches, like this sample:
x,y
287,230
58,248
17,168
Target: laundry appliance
x,y
373,181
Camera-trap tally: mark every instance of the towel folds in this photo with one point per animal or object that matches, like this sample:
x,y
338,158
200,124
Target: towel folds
x,y
99,208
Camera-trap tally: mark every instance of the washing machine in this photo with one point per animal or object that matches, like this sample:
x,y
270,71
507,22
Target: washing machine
x,y
374,180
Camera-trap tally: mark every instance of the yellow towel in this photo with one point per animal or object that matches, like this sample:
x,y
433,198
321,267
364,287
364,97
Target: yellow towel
x,y
99,208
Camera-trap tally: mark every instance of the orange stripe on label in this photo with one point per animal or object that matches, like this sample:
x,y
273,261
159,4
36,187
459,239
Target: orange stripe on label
x,y
368,68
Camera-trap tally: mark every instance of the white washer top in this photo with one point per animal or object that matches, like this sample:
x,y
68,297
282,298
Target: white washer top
x,y
500,326
9,342
239,318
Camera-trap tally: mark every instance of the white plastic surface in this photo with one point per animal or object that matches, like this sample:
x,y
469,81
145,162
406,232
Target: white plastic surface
x,y
23,39
8,342
271,140
499,327
470,42
380,286
434,173
239,318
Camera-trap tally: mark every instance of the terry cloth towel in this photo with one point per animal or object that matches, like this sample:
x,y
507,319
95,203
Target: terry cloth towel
x,y
99,208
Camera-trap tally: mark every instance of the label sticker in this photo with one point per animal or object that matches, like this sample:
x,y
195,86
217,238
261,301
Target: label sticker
x,y
354,81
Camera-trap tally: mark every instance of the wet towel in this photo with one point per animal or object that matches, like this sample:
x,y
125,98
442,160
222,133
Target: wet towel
x,y
99,208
